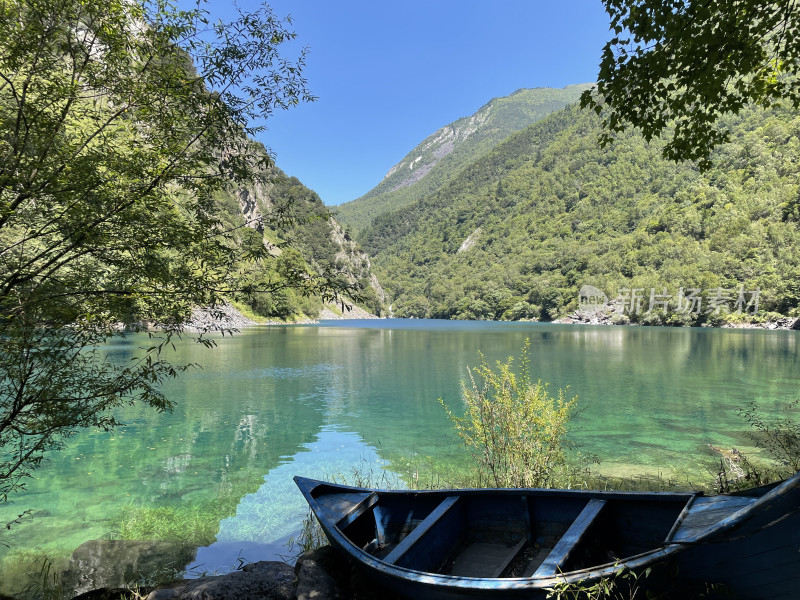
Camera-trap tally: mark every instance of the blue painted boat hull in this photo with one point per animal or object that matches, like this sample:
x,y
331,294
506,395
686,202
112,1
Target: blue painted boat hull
x,y
449,544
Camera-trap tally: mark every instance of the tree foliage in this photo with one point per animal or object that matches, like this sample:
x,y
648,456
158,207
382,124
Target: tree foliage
x,y
677,67
119,123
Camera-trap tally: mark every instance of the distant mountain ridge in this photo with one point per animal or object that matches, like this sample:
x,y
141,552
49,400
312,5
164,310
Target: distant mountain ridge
x,y
440,156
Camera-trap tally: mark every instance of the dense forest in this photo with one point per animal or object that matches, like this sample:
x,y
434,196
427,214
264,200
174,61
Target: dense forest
x,y
518,232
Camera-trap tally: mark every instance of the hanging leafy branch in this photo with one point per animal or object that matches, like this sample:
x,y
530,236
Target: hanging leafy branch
x,y
677,67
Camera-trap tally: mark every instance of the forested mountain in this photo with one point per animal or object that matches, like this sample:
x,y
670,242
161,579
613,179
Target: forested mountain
x,y
520,230
302,237
439,158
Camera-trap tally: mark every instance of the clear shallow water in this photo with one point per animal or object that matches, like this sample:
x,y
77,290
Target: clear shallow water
x,y
273,402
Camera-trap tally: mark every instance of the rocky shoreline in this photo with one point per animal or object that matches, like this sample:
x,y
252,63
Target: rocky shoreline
x,y
612,318
225,317
320,574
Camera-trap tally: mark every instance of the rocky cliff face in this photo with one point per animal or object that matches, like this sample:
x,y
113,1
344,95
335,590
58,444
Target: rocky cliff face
x,y
356,265
322,241
248,203
434,148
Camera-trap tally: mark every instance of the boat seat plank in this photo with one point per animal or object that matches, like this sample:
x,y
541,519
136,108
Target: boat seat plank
x,y
380,530
706,512
357,510
560,553
412,538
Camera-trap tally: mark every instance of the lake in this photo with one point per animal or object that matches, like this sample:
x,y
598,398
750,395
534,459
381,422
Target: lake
x,y
320,400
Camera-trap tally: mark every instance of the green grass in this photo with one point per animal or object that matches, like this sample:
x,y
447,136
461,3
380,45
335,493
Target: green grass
x,y
196,524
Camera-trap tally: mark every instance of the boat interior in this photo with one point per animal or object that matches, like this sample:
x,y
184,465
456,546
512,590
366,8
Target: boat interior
x,y
507,535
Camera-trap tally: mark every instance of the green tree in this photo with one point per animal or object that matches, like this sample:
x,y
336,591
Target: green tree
x,y
119,121
680,66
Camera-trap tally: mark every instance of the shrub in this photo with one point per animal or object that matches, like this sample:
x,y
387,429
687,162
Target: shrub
x,y
780,437
513,427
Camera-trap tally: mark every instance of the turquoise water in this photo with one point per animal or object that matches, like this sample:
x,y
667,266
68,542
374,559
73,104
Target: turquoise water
x,y
273,402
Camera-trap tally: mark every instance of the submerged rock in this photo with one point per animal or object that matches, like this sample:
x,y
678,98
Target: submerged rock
x,y
115,563
320,574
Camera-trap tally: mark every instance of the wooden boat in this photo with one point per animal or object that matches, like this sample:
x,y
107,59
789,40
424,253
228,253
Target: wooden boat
x,y
521,542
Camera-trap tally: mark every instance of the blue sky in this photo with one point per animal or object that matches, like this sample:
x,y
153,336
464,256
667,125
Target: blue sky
x,y
388,74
